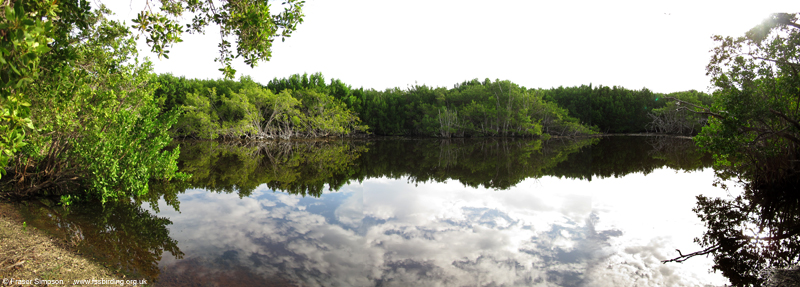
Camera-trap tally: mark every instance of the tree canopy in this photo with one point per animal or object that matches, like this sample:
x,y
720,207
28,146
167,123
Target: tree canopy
x,y
754,136
75,104
248,22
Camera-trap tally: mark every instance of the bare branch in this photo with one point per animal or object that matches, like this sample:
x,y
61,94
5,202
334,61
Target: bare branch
x,y
683,257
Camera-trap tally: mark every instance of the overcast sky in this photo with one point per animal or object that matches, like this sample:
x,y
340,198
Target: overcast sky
x,y
662,45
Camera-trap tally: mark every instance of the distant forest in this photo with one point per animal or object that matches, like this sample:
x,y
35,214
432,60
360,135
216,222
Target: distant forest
x,y
308,106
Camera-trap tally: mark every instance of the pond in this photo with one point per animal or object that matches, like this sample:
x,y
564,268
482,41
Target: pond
x,y
399,212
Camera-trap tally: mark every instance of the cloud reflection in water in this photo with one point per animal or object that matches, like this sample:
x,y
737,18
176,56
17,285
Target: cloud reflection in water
x,y
385,232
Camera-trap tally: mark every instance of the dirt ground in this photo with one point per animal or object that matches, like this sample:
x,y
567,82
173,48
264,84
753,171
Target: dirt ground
x,y
30,257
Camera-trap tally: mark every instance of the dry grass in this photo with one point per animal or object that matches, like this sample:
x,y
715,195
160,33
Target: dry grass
x,y
28,254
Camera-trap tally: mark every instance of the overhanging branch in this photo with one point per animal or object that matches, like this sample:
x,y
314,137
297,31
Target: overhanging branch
x,y
785,117
683,257
705,111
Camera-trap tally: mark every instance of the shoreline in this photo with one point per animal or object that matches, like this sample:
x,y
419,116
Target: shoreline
x,y
401,137
649,135
30,256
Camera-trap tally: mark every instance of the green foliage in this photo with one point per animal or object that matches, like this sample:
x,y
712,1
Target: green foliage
x,y
754,130
31,30
754,136
198,117
470,109
610,109
98,133
678,116
244,109
251,23
323,115
24,37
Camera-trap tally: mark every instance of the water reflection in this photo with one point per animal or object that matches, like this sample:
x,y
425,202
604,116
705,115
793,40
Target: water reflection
x,y
408,212
122,235
395,232
299,167
619,156
753,236
308,167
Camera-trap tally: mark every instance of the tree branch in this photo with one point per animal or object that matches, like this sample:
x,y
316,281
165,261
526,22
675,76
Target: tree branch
x,y
706,111
785,117
777,61
777,237
683,257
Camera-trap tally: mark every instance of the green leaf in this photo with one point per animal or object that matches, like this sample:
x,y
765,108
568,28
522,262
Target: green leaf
x,y
13,67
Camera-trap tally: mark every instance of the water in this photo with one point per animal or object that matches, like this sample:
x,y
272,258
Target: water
x,y
410,212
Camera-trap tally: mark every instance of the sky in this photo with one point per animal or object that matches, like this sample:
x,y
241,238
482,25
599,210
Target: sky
x,y
661,45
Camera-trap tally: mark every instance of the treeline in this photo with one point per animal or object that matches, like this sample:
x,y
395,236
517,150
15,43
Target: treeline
x,y
469,109
309,106
502,108
245,109
619,110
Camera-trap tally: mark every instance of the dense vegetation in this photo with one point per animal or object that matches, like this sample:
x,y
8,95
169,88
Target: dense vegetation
x,y
77,115
307,106
619,110
244,109
94,124
673,119
754,135
470,109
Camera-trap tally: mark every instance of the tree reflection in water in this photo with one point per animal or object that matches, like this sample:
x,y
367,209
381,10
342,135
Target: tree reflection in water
x,y
753,235
300,167
131,239
122,235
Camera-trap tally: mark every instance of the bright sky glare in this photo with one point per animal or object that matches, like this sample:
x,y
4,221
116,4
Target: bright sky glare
x,y
661,45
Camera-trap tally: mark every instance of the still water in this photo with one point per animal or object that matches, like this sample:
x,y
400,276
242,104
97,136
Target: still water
x,y
593,212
